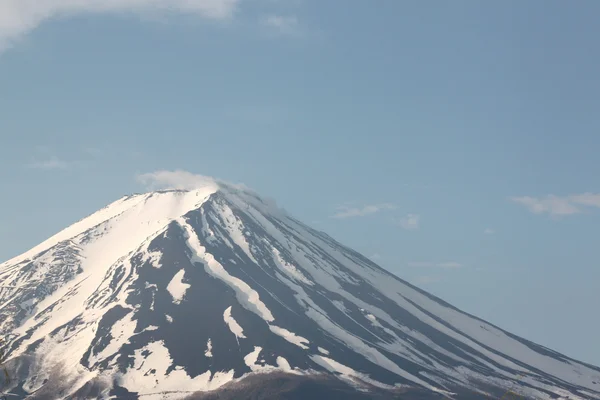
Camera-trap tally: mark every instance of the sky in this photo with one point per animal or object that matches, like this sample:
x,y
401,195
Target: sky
x,y
454,143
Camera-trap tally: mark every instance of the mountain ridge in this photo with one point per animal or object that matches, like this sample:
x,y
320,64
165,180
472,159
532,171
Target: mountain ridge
x,y
143,261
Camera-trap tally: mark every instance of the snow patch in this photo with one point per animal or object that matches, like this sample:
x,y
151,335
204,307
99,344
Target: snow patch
x,y
208,352
149,374
283,364
177,288
251,360
234,327
290,336
153,258
346,372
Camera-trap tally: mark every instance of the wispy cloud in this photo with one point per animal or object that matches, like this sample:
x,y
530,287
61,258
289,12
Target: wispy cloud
x,y
489,231
351,212
184,180
178,179
410,221
375,257
19,17
49,164
444,265
557,205
287,25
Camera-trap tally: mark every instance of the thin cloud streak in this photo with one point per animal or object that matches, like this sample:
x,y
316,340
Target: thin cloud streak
x,y
351,212
375,257
180,180
557,205
444,265
410,222
49,164
283,24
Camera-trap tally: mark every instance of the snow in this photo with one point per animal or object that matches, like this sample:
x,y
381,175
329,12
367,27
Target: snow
x,y
346,372
320,317
330,283
283,364
235,230
327,276
83,225
115,231
251,360
120,333
149,374
234,327
323,351
210,235
54,349
359,346
289,269
208,352
290,336
153,288
177,288
471,332
247,296
153,258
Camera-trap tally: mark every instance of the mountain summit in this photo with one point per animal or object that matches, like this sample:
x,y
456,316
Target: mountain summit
x,y
217,292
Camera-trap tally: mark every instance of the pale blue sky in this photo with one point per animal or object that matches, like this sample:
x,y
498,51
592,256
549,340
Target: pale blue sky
x,y
422,118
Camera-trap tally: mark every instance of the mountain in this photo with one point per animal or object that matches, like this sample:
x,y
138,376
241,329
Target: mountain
x,y
215,293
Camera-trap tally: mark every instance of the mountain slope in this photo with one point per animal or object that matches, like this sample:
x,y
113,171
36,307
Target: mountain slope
x,y
177,292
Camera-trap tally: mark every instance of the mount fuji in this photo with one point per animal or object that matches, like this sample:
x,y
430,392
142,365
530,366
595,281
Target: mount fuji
x,y
216,293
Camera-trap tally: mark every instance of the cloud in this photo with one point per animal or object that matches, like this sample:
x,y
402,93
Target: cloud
x,y
279,21
586,199
556,205
489,231
444,265
450,265
19,17
48,164
410,221
375,257
182,180
287,25
351,212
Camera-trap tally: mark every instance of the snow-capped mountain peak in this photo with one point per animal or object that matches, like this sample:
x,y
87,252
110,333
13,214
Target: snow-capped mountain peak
x,y
184,291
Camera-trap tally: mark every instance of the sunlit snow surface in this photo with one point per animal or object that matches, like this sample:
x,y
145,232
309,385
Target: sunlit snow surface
x,y
183,291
